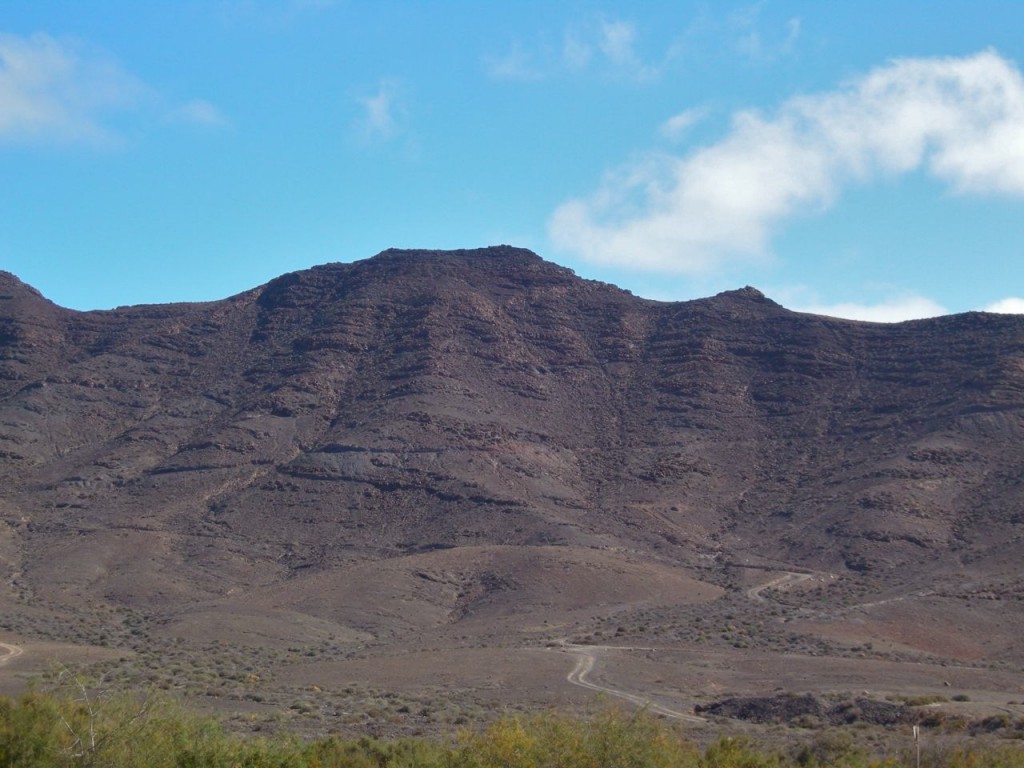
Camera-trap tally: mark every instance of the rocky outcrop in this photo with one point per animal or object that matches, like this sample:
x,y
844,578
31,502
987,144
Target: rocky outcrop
x,y
451,398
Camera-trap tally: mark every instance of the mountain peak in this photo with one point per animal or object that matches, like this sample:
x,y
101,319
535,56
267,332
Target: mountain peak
x,y
493,252
743,300
11,287
747,292
416,269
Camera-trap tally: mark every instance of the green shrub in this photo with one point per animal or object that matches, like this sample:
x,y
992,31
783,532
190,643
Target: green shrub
x,y
834,748
730,752
76,728
60,731
610,740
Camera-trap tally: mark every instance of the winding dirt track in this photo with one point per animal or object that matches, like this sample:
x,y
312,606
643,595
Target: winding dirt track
x,y
585,665
787,578
587,656
13,652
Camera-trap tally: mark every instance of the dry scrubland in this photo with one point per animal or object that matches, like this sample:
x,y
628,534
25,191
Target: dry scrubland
x,y
66,730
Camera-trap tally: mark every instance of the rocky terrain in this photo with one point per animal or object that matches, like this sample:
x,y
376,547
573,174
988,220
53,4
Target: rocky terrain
x,y
413,476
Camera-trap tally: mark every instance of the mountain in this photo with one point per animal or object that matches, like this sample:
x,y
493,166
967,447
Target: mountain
x,y
478,443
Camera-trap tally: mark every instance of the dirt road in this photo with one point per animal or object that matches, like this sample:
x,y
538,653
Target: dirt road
x,y
787,578
12,652
587,659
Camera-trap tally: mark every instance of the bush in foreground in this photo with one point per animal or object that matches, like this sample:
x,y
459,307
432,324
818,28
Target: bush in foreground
x,y
73,729
614,738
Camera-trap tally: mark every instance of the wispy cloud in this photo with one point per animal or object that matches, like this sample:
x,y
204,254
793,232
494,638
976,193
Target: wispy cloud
x,y
515,64
754,41
52,90
576,53
199,112
384,113
1010,306
617,41
676,126
959,119
893,310
67,92
609,46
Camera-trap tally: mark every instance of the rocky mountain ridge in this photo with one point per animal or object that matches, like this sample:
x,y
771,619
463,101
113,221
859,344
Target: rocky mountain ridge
x,y
409,393
427,439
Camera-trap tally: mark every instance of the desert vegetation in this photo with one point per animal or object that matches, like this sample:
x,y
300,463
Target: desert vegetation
x,y
71,726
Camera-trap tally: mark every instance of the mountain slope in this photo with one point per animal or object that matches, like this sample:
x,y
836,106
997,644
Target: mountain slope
x,y
380,422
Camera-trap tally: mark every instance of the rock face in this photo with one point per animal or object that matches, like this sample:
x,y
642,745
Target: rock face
x,y
423,401
807,709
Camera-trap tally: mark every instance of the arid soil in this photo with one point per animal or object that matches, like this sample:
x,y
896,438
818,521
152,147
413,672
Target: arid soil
x,y
409,492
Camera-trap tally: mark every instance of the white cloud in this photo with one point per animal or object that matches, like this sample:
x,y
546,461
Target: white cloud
x,y
617,41
199,112
793,29
758,44
894,310
515,64
54,90
607,46
576,54
384,112
677,125
66,92
1010,306
960,119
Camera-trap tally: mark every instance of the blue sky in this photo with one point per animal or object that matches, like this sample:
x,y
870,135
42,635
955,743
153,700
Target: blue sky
x,y
862,159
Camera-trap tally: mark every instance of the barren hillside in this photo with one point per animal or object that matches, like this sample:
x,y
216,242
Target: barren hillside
x,y
476,447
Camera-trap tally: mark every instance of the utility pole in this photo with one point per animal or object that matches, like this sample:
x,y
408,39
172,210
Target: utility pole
x,y
917,744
